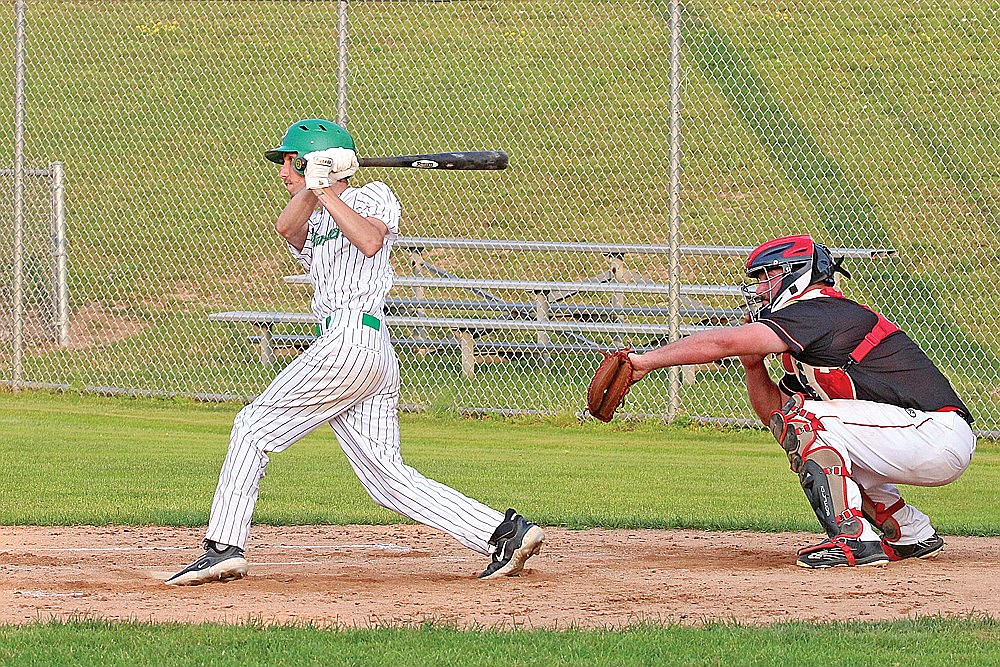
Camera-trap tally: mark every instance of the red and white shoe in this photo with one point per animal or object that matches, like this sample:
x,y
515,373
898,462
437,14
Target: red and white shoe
x,y
842,552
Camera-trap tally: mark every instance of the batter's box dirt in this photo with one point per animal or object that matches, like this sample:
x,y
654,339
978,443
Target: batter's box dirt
x,y
359,576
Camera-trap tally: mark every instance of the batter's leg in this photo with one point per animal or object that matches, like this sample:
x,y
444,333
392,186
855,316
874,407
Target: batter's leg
x,y
369,435
309,392
301,398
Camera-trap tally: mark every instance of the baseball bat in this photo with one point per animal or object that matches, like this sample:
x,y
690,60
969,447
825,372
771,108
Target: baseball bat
x,y
489,160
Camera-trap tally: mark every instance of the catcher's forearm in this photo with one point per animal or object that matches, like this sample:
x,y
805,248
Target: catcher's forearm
x,y
711,345
765,397
699,348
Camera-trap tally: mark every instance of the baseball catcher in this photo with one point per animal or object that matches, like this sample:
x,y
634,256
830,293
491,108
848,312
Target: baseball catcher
x,y
859,408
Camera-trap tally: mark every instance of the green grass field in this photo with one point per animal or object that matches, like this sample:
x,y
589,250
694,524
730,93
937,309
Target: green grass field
x,y
974,641
72,459
113,461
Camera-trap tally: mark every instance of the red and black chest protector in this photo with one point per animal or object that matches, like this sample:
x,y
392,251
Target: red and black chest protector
x,y
831,382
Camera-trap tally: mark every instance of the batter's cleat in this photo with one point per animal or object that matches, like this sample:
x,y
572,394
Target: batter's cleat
x,y
220,562
928,548
842,552
516,540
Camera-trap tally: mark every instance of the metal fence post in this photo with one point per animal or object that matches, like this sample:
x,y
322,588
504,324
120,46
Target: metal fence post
x,y
674,240
20,25
59,252
342,28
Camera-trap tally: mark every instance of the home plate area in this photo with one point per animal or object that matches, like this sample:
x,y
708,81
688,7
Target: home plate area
x,y
364,576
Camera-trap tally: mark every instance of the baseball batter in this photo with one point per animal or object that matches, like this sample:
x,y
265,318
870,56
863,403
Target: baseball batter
x,y
348,378
859,409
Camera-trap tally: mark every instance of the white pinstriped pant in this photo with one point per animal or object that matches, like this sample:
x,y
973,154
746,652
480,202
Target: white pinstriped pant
x,y
348,378
884,445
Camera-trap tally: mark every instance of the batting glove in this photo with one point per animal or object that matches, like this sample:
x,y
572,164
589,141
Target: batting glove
x,y
326,166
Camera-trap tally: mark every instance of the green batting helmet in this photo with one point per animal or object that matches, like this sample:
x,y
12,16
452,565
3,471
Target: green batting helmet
x,y
306,136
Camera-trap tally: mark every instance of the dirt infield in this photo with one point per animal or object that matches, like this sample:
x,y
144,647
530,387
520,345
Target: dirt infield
x,y
359,576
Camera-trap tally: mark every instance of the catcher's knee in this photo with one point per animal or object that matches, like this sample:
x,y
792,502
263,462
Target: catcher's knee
x,y
795,429
821,469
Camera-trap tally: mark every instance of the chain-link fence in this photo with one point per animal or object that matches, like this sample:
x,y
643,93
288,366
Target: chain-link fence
x,y
34,310
868,124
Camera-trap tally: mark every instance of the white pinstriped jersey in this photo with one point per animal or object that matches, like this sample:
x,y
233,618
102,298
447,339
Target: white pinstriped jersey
x,y
341,276
348,378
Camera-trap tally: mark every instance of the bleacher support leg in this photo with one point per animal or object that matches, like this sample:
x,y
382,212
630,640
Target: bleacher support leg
x,y
542,312
266,344
417,262
467,346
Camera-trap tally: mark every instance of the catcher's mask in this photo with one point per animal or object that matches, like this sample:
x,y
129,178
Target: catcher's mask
x,y
802,262
306,136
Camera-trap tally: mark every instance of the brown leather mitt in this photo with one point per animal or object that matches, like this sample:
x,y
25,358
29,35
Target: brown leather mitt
x,y
612,380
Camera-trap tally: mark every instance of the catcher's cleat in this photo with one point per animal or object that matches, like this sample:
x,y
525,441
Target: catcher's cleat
x,y
516,539
842,552
928,548
220,562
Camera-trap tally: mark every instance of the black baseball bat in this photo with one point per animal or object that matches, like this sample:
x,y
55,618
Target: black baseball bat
x,y
490,160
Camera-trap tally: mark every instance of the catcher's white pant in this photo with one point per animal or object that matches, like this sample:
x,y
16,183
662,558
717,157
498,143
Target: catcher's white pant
x,y
348,378
883,445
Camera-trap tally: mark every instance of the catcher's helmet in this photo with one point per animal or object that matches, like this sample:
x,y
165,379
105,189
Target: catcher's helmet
x,y
802,261
306,136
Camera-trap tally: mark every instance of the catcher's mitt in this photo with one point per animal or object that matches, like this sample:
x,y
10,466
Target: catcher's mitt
x,y
612,380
